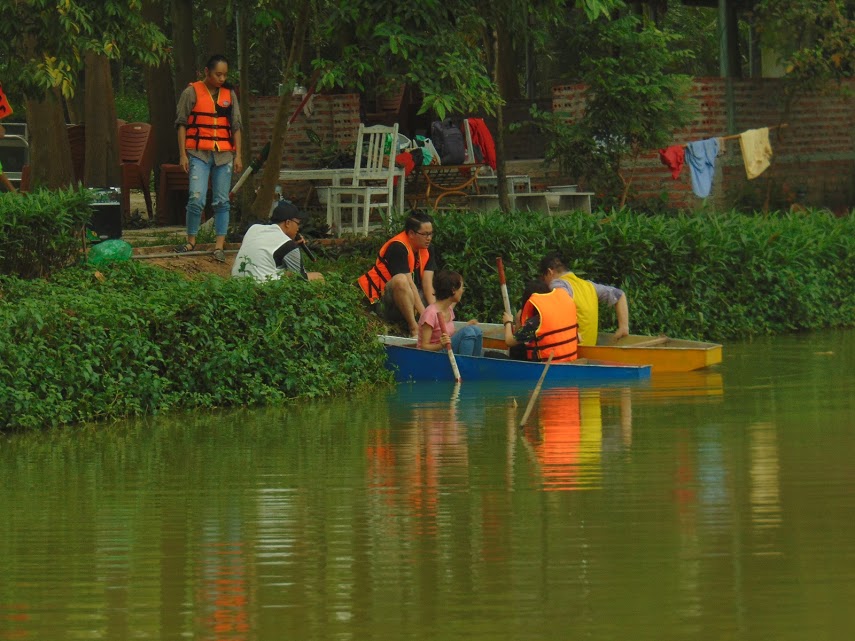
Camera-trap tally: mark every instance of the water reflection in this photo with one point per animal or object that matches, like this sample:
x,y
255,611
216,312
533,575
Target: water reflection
x,y
683,508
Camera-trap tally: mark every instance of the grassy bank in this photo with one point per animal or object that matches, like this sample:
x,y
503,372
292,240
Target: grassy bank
x,y
78,345
133,339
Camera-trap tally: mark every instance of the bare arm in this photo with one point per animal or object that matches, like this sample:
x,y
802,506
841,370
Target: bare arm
x,y
510,341
182,151
238,162
622,313
417,300
427,287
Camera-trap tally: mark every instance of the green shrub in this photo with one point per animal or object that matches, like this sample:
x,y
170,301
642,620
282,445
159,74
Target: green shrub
x,y
715,277
132,107
40,231
140,340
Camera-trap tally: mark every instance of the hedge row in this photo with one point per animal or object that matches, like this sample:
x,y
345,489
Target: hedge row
x,y
133,339
715,277
40,231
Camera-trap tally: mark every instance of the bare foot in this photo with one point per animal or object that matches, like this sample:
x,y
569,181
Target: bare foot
x,y
414,331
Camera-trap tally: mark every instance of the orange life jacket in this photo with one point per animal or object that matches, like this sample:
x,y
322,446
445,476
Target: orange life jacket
x,y
208,125
373,282
558,331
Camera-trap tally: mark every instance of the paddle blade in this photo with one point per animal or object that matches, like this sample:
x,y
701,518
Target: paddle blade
x,y
501,266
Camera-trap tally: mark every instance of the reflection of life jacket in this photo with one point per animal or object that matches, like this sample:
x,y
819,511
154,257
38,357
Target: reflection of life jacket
x,y
208,125
560,434
556,333
587,307
373,282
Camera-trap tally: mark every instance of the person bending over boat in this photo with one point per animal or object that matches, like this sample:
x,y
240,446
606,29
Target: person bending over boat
x,y
436,324
546,324
268,252
587,296
405,265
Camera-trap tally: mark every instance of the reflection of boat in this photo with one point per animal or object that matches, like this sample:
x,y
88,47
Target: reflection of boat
x,y
412,364
663,354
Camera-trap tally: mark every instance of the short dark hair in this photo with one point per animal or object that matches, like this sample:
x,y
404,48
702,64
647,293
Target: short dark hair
x,y
286,210
533,287
445,283
551,261
415,221
214,60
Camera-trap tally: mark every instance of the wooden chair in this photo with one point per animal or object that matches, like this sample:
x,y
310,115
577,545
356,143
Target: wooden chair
x,y
136,152
373,178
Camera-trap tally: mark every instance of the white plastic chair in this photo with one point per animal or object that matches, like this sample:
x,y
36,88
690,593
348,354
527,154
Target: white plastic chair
x,y
373,181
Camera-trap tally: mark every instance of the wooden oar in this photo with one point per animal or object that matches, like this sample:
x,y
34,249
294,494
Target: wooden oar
x,y
503,283
453,362
536,391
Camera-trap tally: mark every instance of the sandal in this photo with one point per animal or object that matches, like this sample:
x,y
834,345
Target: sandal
x,y
219,255
183,249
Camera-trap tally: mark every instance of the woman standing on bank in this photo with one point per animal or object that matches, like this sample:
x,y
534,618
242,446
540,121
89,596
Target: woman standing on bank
x,y
209,142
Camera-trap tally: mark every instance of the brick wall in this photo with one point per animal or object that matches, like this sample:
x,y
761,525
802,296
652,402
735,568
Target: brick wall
x,y
814,157
334,118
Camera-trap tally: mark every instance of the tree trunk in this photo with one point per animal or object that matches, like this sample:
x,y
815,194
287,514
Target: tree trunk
x,y
217,28
50,152
184,51
270,176
159,95
501,182
242,25
102,144
74,105
506,73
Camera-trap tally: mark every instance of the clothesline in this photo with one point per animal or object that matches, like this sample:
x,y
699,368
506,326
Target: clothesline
x,y
735,136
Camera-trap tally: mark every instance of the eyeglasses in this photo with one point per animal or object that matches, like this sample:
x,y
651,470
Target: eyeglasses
x,y
295,221
426,234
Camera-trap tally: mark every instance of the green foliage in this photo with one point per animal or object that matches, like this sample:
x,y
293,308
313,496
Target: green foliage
x,y
46,41
436,47
131,107
816,39
40,231
633,103
722,276
140,340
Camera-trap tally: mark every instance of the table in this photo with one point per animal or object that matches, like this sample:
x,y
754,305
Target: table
x,y
491,183
336,177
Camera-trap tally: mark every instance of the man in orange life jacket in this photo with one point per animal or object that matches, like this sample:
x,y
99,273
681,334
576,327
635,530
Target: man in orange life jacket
x,y
404,264
546,325
209,142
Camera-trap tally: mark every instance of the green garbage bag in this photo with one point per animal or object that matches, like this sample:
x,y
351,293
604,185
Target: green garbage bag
x,y
110,251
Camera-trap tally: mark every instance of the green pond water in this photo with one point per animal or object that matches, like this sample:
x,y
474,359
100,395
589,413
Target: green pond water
x,y
717,505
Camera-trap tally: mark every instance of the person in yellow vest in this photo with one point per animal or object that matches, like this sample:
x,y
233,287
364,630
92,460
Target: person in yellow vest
x,y
209,143
588,296
545,325
401,280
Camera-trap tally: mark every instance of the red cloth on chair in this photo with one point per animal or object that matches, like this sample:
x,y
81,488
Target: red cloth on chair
x,y
673,157
482,137
405,160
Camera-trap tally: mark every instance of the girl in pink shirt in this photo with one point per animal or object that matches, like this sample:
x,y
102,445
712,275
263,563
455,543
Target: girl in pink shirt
x,y
436,324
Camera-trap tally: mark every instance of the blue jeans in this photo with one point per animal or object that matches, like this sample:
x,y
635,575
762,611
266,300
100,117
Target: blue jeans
x,y
221,182
468,341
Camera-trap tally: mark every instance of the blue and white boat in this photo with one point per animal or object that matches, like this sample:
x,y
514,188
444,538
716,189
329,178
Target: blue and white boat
x,y
412,364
